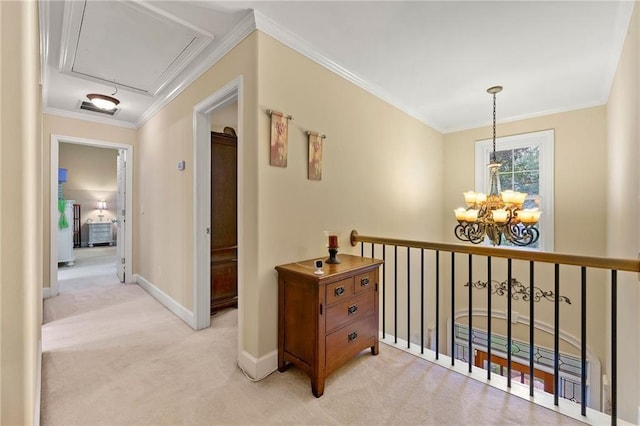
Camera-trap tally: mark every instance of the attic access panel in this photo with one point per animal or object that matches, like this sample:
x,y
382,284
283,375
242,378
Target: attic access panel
x,y
128,44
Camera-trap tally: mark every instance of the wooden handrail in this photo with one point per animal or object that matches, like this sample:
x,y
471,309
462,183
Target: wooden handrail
x,y
631,265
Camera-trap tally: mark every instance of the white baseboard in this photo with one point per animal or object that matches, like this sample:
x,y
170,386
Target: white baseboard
x,y
180,311
46,292
38,386
258,368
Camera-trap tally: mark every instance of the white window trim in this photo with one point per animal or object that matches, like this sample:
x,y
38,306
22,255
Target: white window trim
x,y
544,140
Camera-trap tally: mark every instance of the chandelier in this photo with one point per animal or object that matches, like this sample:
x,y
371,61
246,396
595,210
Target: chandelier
x,y
497,214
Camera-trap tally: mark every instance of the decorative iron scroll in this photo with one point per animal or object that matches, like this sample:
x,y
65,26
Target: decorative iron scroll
x,y
519,290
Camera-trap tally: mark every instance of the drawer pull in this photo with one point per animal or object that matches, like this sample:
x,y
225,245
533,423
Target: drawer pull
x,y
339,290
364,282
352,309
353,336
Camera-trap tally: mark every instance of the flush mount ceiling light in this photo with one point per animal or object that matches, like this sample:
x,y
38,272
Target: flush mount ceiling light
x,y
105,102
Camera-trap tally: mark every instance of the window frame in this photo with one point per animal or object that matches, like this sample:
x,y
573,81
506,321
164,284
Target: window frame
x,y
544,141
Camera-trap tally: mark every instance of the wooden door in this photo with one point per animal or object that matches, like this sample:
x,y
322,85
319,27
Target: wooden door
x,y
224,222
120,213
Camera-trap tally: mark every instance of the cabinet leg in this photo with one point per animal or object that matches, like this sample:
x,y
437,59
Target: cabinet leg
x,y
317,387
375,349
284,367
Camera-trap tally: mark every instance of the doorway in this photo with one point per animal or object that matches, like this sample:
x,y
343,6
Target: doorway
x,y
119,217
228,95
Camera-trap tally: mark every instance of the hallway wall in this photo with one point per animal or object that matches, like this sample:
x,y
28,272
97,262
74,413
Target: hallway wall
x,y
21,214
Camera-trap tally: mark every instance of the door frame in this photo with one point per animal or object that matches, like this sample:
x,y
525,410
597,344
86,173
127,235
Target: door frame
x,y
229,93
53,221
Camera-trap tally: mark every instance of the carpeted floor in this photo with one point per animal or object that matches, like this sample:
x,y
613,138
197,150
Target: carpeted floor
x,y
112,355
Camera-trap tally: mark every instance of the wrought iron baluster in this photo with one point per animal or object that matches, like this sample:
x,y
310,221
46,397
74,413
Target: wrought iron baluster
x,y
470,317
453,308
583,338
422,301
531,330
614,347
408,297
489,315
395,294
509,323
384,297
556,337
437,304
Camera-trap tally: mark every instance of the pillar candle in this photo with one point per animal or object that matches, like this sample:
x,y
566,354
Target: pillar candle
x,y
333,241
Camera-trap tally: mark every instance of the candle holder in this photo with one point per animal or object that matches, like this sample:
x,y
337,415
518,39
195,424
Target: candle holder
x,y
333,244
333,255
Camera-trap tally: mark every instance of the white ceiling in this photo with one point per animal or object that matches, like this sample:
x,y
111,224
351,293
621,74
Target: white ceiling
x,y
433,59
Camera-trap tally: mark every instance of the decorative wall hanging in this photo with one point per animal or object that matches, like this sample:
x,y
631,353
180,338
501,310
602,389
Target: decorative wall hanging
x,y
279,138
315,155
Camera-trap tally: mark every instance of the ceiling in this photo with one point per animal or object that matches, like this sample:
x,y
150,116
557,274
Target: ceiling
x,y
432,59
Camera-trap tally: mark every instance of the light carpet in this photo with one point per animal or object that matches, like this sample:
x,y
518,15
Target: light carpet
x,y
112,355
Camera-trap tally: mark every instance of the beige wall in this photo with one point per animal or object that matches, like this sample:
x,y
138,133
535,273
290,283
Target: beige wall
x,y
55,125
623,230
91,178
382,170
21,214
163,239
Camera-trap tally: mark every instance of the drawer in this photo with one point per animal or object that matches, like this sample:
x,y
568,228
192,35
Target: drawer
x,y
339,291
343,344
350,310
101,233
366,281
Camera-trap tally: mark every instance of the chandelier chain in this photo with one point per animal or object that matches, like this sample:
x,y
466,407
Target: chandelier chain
x,y
493,159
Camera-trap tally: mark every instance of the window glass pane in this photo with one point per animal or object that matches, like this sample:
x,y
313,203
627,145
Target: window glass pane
x,y
506,159
526,182
506,181
526,159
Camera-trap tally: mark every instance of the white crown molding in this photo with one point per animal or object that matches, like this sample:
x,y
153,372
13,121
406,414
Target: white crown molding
x,y
515,118
245,27
301,46
85,117
44,17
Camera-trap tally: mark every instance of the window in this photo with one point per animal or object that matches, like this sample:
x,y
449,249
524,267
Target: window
x,y
527,166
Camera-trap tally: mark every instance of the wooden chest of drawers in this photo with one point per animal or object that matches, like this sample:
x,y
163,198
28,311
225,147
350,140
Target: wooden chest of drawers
x,y
325,320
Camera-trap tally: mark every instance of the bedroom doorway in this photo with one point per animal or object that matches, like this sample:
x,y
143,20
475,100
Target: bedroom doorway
x,y
106,221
